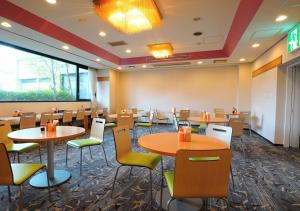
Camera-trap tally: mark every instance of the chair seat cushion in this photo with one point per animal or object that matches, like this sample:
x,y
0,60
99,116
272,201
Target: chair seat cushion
x,y
22,147
23,171
110,124
202,127
169,176
79,143
163,118
194,130
148,160
143,124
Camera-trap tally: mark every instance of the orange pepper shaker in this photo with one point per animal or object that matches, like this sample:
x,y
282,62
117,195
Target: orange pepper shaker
x,y
181,134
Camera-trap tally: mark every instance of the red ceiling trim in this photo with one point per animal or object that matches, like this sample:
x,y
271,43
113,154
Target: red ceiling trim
x,y
19,15
244,14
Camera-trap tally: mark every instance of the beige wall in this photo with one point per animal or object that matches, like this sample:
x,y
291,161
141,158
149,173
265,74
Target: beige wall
x,y
244,87
196,89
113,91
7,109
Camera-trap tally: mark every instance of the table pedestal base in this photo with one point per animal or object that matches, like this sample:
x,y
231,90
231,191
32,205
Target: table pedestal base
x,y
178,205
40,180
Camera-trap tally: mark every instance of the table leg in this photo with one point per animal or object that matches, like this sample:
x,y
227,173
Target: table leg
x,y
86,122
56,177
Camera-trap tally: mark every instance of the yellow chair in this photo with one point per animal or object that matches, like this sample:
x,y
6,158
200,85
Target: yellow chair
x,y
67,117
28,120
16,173
96,138
237,130
109,121
126,157
199,174
11,147
46,117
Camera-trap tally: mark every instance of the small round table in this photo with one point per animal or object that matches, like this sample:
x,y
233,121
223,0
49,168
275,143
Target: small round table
x,y
115,116
62,133
167,144
199,119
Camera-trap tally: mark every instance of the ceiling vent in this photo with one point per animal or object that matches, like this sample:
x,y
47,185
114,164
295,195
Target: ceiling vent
x,y
131,66
171,64
170,58
220,61
117,43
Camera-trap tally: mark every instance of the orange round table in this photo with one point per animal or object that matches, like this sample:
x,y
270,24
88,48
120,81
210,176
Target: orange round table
x,y
199,119
114,116
56,177
167,143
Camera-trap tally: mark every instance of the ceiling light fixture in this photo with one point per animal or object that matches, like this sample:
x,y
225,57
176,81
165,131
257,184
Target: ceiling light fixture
x,y
200,62
242,59
6,24
144,66
128,51
129,16
98,60
161,50
65,47
281,18
51,1
255,45
119,68
102,34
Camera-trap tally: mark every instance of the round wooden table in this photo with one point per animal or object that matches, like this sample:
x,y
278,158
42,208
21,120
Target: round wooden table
x,y
114,116
167,144
199,119
62,133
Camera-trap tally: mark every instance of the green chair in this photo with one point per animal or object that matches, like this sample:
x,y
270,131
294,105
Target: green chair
x,y
161,118
96,139
108,123
146,124
11,147
16,173
199,174
126,157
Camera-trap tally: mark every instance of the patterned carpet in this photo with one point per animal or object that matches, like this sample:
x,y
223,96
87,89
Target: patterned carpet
x,y
268,178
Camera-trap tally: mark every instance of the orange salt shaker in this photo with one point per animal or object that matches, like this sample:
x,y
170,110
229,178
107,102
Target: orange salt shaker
x,y
187,134
50,127
181,134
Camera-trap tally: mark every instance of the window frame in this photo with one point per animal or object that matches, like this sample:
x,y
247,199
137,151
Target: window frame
x,y
78,66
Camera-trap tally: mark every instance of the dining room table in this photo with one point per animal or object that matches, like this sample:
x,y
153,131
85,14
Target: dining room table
x,y
167,144
211,120
37,134
115,116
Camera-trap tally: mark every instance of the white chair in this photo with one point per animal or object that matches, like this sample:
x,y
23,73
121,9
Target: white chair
x,y
222,133
96,138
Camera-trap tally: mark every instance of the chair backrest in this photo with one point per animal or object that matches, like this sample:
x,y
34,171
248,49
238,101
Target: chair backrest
x,y
175,122
46,117
184,114
202,173
220,132
6,174
5,129
219,114
219,110
125,120
94,113
67,116
245,116
97,129
27,120
105,112
237,127
80,114
122,141
134,110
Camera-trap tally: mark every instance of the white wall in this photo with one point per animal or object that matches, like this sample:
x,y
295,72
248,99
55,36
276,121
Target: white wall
x,y
244,87
197,89
270,120
7,109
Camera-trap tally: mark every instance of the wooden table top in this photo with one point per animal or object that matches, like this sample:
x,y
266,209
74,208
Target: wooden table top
x,y
199,119
168,144
114,116
35,135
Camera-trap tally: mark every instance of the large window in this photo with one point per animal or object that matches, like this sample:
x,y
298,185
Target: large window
x,y
28,76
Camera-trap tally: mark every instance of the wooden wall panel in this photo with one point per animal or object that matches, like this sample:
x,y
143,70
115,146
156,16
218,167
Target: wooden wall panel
x,y
268,66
